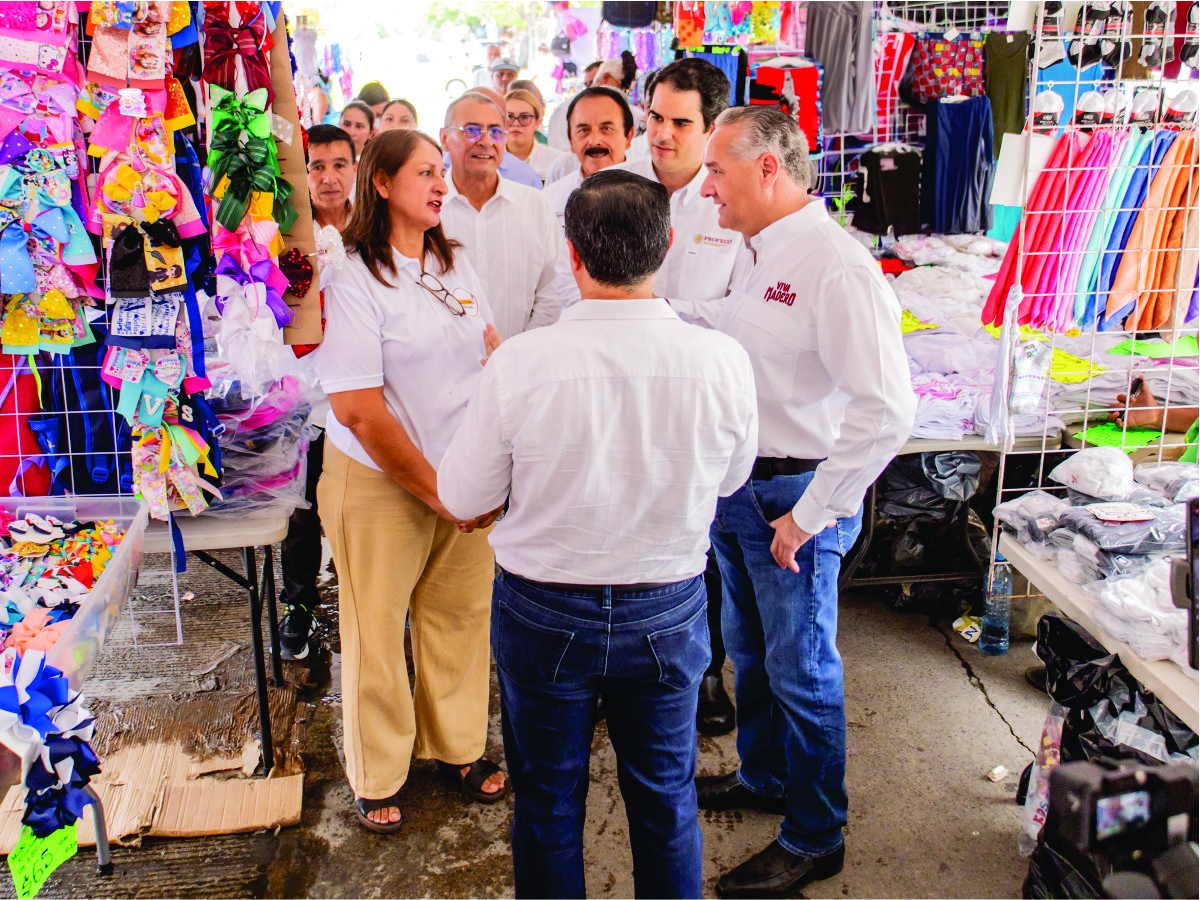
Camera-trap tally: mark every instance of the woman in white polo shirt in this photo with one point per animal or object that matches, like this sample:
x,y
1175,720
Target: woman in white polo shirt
x,y
406,336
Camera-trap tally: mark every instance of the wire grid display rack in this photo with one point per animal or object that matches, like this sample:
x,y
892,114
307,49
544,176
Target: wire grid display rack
x,y
151,617
896,120
1087,380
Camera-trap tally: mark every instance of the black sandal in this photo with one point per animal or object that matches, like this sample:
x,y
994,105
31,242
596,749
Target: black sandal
x,y
363,806
472,782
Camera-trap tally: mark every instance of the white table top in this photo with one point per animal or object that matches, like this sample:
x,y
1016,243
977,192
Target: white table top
x,y
217,532
1168,682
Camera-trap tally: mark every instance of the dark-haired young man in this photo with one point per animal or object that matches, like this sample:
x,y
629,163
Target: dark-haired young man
x,y
611,434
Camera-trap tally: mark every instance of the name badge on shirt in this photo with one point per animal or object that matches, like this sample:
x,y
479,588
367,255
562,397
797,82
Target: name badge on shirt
x,y
469,304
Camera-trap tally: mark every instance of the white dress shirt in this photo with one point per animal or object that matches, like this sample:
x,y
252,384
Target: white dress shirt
x,y
541,158
822,327
699,268
557,194
611,433
405,339
511,243
562,167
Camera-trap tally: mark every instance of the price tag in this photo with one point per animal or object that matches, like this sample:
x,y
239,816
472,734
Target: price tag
x,y
33,859
1120,512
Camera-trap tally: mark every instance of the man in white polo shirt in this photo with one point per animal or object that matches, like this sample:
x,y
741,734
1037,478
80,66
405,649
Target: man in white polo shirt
x,y
823,331
611,434
506,229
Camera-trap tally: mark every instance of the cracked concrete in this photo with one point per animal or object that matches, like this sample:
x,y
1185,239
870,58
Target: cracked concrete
x,y
929,715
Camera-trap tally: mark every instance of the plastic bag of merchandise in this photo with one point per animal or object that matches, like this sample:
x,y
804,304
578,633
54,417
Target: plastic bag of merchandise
x,y
1092,557
1031,517
1139,494
1037,796
1108,717
1103,472
927,486
1158,531
1110,714
1178,481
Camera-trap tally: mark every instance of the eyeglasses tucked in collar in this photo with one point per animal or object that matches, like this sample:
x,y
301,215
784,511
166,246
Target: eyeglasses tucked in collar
x,y
475,132
456,301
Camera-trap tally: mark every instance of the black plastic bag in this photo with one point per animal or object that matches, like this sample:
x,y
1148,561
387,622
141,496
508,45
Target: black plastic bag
x,y
927,486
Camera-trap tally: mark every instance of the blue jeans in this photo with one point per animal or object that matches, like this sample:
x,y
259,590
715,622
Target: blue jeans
x,y
558,649
781,633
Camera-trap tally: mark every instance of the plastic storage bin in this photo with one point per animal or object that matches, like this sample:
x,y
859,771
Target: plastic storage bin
x,y
76,650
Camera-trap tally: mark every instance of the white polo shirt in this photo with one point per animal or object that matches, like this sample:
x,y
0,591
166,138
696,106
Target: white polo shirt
x,y
611,433
699,268
822,327
405,339
541,158
511,243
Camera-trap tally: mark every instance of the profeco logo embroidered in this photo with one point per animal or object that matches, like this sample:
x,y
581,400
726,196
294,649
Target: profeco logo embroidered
x,y
781,292
707,240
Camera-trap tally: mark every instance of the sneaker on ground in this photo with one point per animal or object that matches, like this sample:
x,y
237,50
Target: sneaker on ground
x,y
294,631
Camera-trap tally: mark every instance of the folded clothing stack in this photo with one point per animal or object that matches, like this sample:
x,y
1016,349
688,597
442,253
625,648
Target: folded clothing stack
x,y
1138,610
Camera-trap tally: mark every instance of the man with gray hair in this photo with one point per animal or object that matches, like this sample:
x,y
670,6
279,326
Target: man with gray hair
x,y
507,230
611,434
822,328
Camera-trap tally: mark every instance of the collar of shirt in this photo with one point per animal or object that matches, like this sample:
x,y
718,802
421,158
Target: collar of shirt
x,y
653,308
406,265
687,194
790,228
503,191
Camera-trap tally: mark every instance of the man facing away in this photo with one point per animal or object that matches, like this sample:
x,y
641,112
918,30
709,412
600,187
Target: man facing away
x,y
611,433
822,328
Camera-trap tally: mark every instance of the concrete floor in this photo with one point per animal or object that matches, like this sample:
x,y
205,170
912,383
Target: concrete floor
x,y
929,716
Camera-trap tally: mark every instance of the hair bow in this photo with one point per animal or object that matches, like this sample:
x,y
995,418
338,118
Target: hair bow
x,y
16,266
243,152
225,44
30,691
252,241
55,785
264,283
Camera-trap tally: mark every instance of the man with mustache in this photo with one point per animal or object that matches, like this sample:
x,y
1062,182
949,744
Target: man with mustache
x,y
601,126
506,229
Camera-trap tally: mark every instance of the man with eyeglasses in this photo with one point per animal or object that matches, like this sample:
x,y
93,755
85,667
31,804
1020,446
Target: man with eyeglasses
x,y
507,230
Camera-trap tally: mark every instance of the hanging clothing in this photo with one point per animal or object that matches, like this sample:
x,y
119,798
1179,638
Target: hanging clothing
x,y
796,90
1146,275
1070,84
1131,203
958,166
1005,72
839,36
733,62
1086,296
892,51
888,190
946,68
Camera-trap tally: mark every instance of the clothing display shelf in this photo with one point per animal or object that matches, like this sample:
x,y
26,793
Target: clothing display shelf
x,y
1096,299
1166,679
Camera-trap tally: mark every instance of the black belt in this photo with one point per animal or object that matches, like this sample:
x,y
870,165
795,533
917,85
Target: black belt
x,y
767,467
593,590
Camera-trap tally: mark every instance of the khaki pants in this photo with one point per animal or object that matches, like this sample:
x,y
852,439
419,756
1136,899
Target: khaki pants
x,y
395,557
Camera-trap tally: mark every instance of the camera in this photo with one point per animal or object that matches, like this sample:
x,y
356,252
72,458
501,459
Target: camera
x,y
1141,819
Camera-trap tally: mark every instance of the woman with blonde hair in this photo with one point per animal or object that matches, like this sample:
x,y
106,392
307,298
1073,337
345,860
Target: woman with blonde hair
x,y
407,332
525,112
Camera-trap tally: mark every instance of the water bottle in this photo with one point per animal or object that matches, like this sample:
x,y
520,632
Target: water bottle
x,y
997,609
